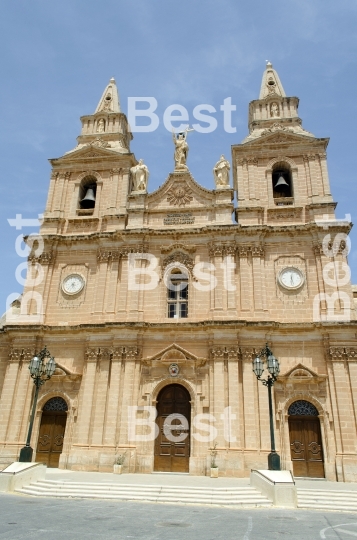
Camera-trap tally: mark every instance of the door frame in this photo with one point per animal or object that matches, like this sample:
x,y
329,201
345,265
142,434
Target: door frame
x,y
286,454
155,395
38,417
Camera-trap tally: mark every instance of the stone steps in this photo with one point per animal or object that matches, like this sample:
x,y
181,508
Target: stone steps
x,y
240,496
345,501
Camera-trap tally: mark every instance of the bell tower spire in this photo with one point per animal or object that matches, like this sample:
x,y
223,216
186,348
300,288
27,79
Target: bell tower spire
x,y
273,111
271,83
109,102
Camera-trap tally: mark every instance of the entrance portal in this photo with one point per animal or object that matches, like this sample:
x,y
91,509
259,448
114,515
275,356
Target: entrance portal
x,y
53,425
173,455
305,440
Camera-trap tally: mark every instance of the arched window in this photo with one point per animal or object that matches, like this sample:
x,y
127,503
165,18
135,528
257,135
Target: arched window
x,y
55,404
177,294
302,408
87,194
282,183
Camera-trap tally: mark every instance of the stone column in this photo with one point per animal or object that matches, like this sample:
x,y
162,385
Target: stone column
x,y
101,280
100,403
233,396
252,163
114,184
217,353
245,275
257,254
130,354
85,408
239,187
8,392
216,254
250,405
324,174
123,285
351,353
111,424
344,401
19,413
112,283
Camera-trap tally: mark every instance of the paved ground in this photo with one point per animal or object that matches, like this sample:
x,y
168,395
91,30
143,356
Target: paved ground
x,y
72,519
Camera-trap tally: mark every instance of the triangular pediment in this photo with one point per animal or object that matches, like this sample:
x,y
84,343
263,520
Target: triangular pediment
x,y
281,137
174,354
85,152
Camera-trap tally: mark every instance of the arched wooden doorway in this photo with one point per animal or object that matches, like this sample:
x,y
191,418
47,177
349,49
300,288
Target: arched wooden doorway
x,y
172,446
305,440
52,428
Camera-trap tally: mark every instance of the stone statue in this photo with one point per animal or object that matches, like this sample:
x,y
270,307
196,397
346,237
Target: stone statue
x,y
221,172
100,126
140,176
181,149
274,110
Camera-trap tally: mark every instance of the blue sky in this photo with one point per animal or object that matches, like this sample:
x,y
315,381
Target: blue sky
x,y
57,57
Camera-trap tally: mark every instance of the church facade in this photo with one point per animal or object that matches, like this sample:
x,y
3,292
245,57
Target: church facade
x,y
155,304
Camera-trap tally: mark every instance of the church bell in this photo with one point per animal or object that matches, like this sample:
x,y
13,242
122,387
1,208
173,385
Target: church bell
x,y
88,200
281,184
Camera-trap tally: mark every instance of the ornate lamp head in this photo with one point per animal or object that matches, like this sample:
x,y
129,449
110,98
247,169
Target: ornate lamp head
x,y
258,366
273,365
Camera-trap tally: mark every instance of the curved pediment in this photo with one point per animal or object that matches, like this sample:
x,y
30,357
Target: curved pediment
x,y
180,190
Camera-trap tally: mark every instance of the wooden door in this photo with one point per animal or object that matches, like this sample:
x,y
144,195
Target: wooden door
x,y
306,447
50,440
173,455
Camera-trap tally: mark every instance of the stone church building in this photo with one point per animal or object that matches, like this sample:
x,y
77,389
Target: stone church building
x,y
156,303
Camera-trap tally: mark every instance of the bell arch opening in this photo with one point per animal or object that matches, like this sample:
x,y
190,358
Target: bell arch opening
x,y
87,194
282,183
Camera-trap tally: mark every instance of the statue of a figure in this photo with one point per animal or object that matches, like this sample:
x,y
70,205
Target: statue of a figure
x,y
221,172
140,176
100,126
181,149
274,110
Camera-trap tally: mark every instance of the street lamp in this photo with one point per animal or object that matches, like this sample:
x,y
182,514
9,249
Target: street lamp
x,y
40,372
274,370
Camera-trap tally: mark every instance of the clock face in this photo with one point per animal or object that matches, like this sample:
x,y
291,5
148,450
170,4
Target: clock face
x,y
291,278
73,284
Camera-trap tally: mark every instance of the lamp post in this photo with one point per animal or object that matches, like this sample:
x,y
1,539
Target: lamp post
x,y
274,370
40,372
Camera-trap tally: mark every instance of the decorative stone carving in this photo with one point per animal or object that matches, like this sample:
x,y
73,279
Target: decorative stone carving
x,y
343,353
217,352
100,126
181,149
15,355
247,354
99,143
45,258
92,353
274,110
220,250
28,354
140,176
276,127
257,251
131,352
179,257
179,195
178,246
337,353
221,172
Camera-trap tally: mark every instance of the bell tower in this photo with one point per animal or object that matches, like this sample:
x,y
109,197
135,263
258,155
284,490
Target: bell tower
x,y
279,169
90,184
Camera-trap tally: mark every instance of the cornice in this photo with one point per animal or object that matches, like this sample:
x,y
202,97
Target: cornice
x,y
233,229
209,324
